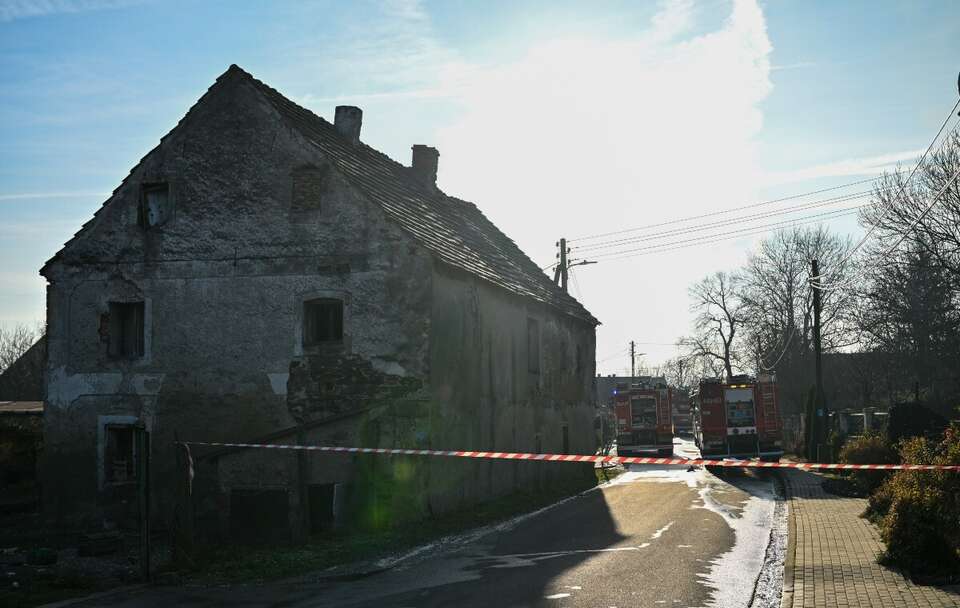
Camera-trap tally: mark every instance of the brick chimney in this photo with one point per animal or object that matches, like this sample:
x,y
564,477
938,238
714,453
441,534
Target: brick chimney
x,y
348,120
424,164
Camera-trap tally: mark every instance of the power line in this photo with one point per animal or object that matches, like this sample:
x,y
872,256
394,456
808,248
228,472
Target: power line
x,y
725,211
903,236
765,227
741,219
786,345
665,246
576,285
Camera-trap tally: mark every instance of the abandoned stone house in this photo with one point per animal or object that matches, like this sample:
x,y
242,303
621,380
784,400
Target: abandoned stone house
x,y
263,274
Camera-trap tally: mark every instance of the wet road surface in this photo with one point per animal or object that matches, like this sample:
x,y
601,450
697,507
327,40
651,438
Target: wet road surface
x,y
656,536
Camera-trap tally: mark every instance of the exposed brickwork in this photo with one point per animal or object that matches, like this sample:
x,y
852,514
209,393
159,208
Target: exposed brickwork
x,y
835,560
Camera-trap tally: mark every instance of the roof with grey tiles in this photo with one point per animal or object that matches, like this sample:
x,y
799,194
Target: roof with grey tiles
x,y
454,230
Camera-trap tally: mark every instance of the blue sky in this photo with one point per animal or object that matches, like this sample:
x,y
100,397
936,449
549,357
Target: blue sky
x,y
556,118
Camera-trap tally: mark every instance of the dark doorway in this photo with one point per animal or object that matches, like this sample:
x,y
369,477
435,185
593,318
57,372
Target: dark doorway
x,y
322,498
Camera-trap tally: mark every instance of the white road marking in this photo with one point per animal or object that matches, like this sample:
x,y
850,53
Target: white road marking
x,y
557,596
660,532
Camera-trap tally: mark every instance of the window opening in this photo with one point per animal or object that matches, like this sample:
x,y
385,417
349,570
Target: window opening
x,y
126,330
155,205
322,321
119,458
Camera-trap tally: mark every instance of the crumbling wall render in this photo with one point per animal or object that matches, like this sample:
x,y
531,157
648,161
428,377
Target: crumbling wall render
x,y
223,283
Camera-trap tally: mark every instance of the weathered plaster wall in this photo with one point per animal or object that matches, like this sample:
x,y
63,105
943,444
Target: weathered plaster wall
x,y
485,398
223,283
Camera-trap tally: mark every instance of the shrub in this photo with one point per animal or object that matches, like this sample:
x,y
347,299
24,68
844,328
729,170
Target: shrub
x,y
869,448
918,511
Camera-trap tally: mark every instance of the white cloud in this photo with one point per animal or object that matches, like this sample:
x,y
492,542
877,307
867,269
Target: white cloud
x,y
871,165
588,135
22,9
24,196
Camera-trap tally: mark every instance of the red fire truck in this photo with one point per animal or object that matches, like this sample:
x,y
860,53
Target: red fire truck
x,y
738,419
644,418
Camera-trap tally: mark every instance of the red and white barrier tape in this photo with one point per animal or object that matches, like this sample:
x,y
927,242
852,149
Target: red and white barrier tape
x,y
588,458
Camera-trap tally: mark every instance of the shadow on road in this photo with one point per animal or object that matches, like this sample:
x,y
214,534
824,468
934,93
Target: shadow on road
x,y
520,563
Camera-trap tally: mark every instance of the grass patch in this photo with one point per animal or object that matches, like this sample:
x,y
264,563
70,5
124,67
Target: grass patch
x,y
605,474
227,564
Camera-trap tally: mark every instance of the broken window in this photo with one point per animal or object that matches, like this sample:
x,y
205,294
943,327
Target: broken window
x,y
533,346
309,183
322,321
126,330
155,207
119,454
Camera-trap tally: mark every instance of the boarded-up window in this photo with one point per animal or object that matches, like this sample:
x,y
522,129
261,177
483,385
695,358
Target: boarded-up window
x,y
309,183
155,205
119,455
533,346
322,321
126,330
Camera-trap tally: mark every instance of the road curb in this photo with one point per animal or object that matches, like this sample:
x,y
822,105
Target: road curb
x,y
786,598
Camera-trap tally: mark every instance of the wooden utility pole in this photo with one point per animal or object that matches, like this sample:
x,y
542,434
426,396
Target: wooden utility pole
x,y
562,268
633,359
821,414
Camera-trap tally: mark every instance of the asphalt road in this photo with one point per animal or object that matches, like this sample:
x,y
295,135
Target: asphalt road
x,y
657,536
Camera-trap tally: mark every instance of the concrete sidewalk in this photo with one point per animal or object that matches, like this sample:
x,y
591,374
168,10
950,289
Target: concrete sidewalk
x,y
831,559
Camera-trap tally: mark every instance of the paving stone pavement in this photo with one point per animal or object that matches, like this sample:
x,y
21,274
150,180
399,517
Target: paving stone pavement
x,y
831,560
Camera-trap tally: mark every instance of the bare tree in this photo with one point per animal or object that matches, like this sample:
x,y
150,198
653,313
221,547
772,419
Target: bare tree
x,y
899,203
778,300
719,308
16,340
679,371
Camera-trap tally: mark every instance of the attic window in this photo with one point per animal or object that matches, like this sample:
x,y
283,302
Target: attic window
x,y
309,183
322,321
155,208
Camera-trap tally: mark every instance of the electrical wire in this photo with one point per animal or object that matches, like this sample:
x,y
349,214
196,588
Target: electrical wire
x,y
664,247
725,211
764,227
742,219
576,285
903,236
786,345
